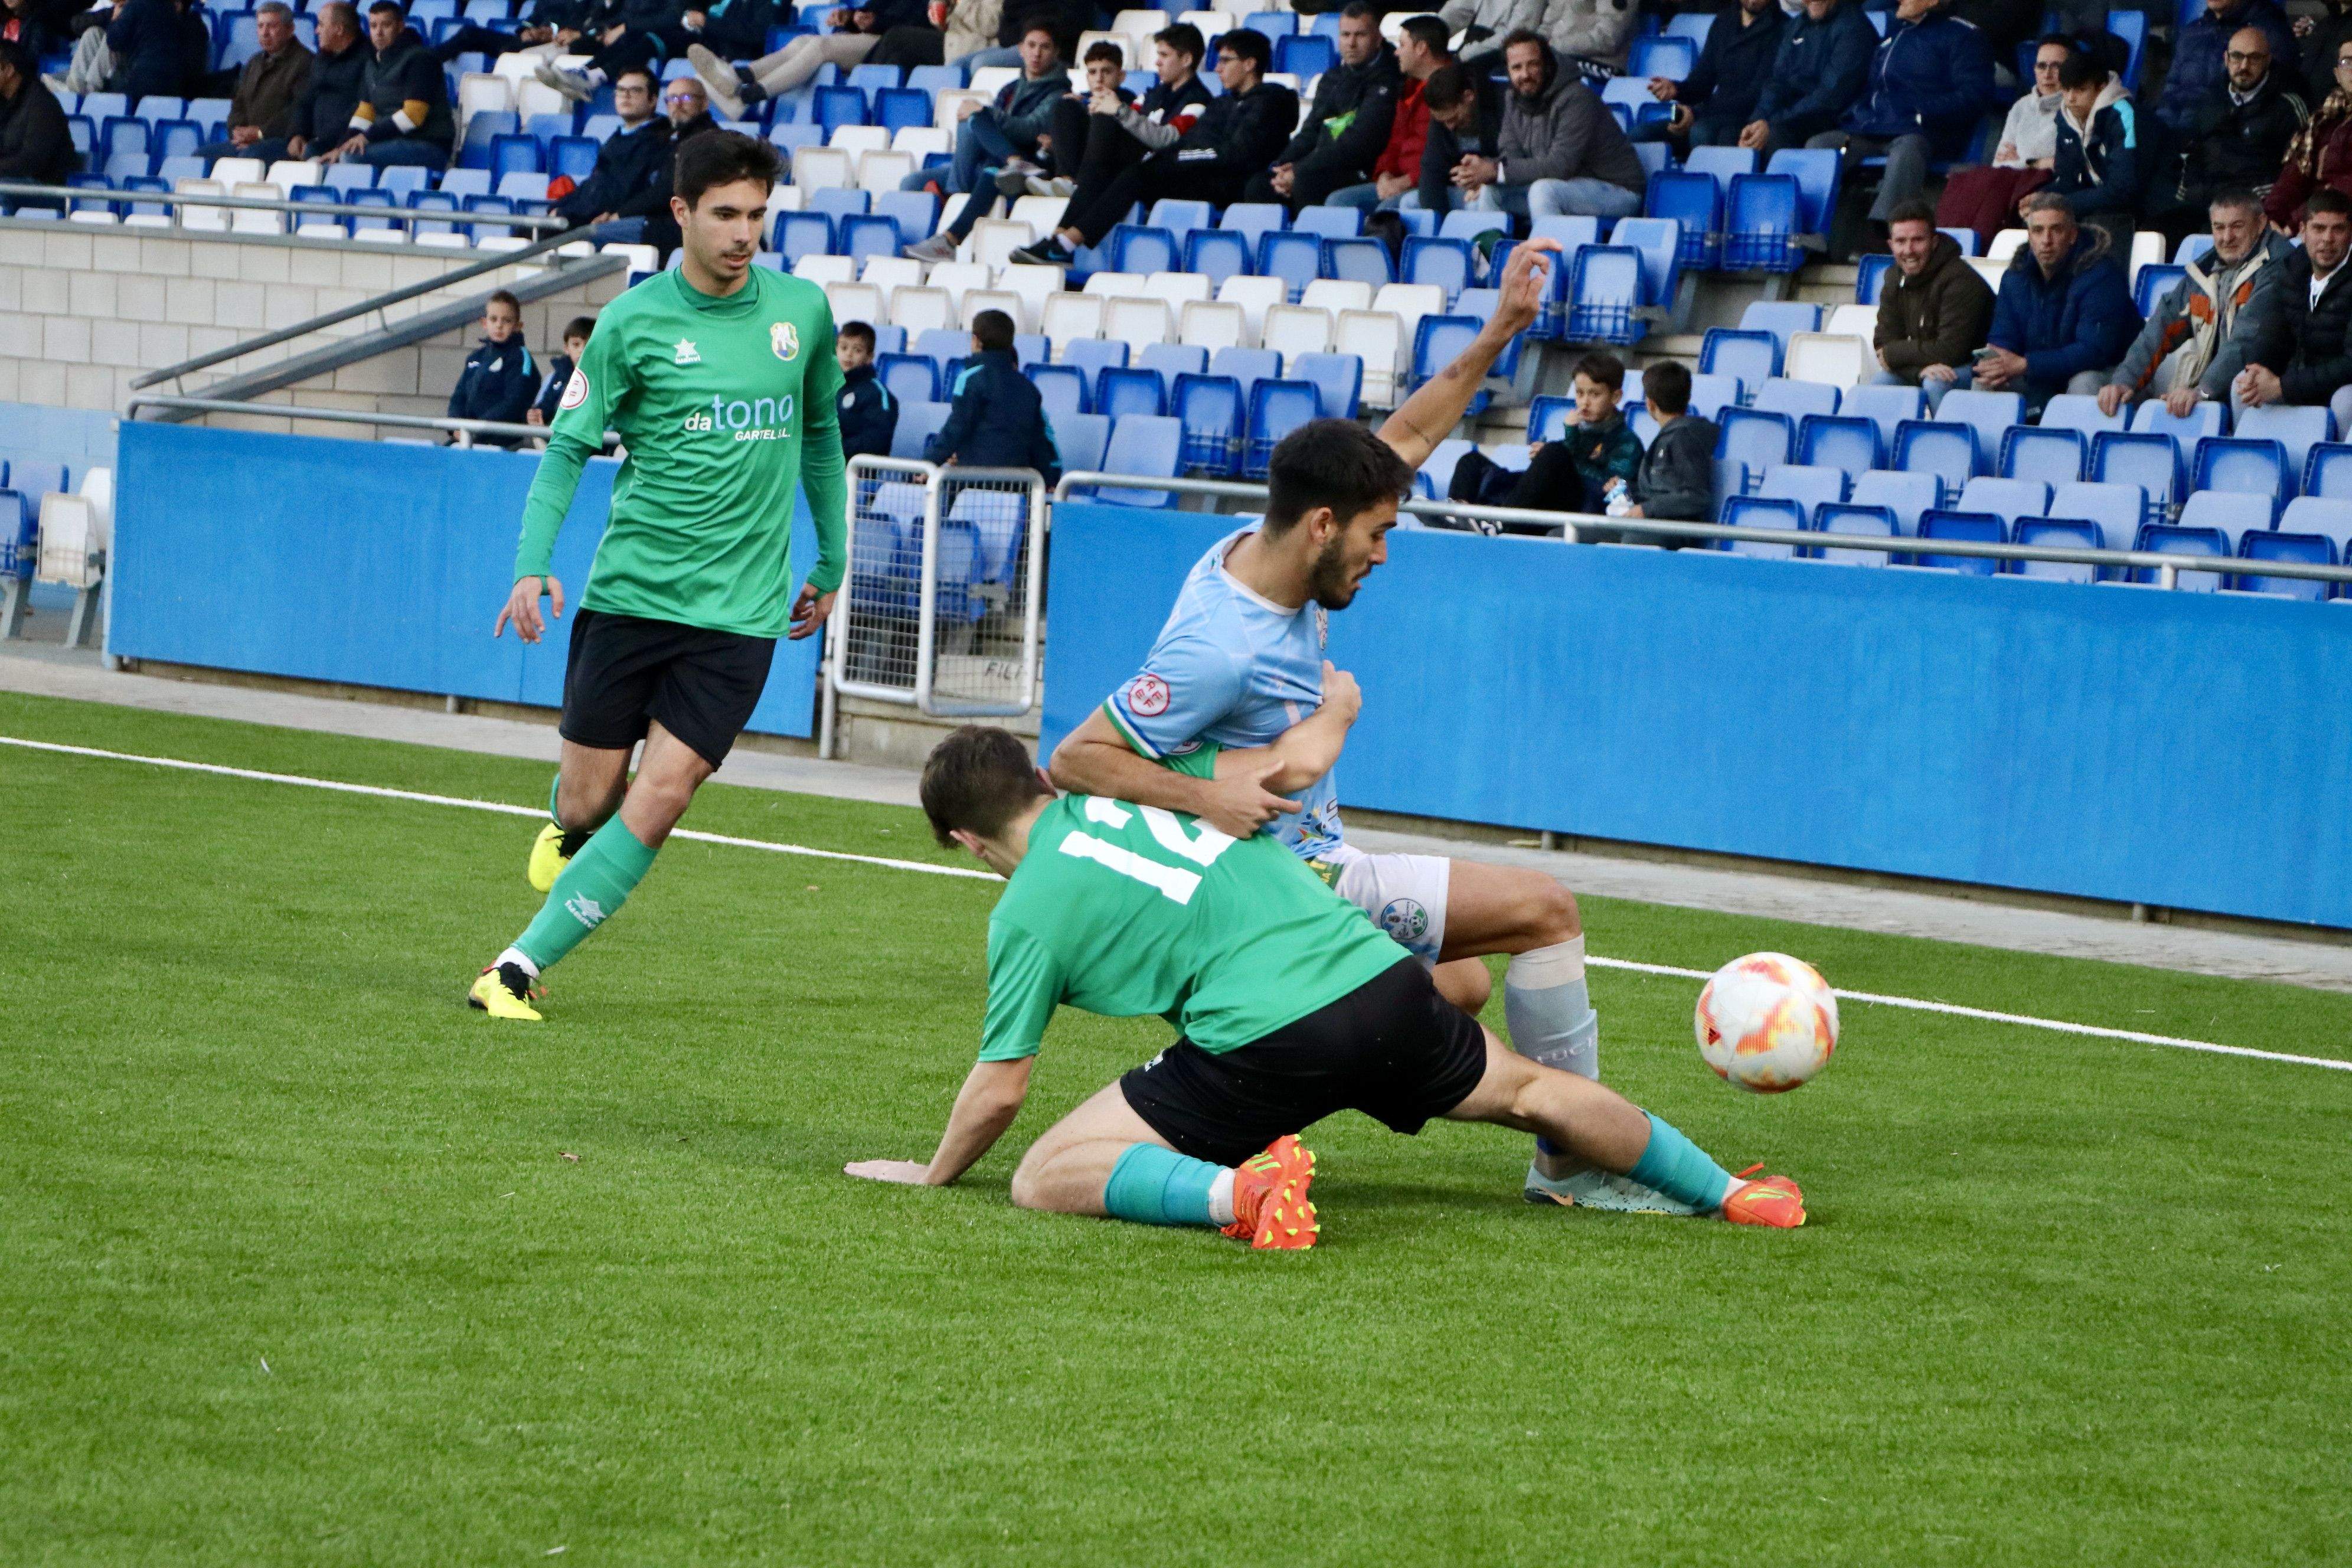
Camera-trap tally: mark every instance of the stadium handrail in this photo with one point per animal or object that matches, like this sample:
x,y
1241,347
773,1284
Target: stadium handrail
x,y
261,203
468,428
2167,567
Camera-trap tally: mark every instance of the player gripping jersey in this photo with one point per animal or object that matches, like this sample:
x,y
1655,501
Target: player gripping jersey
x,y
1288,1007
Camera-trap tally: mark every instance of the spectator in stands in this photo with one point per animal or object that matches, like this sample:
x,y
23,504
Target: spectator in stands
x,y
2236,136
629,159
2065,313
499,379
1718,97
734,29
1985,199
20,22
261,112
2320,40
1927,87
1676,478
688,109
1092,140
322,115
994,139
950,30
2100,167
869,415
1465,120
995,419
1238,133
148,49
404,112
1484,24
855,34
2320,156
1597,460
628,35
1934,312
1600,32
1822,68
2208,324
1560,151
2198,62
1105,68
2305,356
36,142
1347,128
2006,24
1421,53
555,22
559,371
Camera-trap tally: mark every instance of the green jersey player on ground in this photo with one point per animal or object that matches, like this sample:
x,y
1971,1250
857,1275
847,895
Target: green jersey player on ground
x,y
722,379
1289,1003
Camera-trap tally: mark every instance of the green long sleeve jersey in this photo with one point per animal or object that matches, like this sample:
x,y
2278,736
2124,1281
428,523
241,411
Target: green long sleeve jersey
x,y
725,406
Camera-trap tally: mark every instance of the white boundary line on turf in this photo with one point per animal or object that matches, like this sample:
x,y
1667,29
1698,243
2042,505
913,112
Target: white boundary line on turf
x,y
1912,1003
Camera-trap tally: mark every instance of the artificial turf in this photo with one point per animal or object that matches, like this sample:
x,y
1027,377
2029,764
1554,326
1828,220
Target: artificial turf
x,y
304,1263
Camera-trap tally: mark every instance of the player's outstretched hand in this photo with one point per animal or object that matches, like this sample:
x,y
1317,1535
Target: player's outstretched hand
x,y
1341,696
809,611
1524,282
907,1173
522,607
1240,803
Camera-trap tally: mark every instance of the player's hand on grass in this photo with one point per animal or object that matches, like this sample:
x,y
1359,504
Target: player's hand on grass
x,y
1341,697
907,1173
1240,803
522,607
809,612
1523,285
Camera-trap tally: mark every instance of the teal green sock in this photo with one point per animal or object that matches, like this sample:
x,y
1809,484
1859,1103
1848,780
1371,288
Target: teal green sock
x,y
1679,1168
590,890
1159,1187
554,791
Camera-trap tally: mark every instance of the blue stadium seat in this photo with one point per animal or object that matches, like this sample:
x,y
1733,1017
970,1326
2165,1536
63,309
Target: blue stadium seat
x,y
1448,264
1604,293
1753,357
2080,411
2296,430
2267,544
1981,527
1329,223
1138,248
1848,444
1671,58
1179,216
1783,319
1794,398
1247,367
1870,278
1759,511
1854,519
1816,173
2231,512
1304,55
1210,408
2055,456
1121,391
837,202
1905,497
1691,199
2151,461
1691,25
2007,499
1659,243
1146,445
2066,532
2235,463
2172,539
936,80
1092,356
1886,406
2329,517
1761,223
943,346
908,378
796,235
862,235
2116,510
570,157
177,137
838,106
1437,342
2153,283
1655,158
1357,261
792,135
1721,164
1254,220
1966,238
1276,409
1173,360
1945,452
1436,475
918,423
1711,395
1216,254
2203,420
896,108
2327,473
1807,486
1989,415
916,213
1296,259
875,78
1548,417
1081,440
1339,382
1757,439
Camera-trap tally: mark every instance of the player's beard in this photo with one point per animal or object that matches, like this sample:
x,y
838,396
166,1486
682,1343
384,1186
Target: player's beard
x,y
1328,584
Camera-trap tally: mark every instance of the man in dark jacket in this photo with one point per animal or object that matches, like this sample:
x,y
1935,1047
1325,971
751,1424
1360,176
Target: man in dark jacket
x,y
2236,137
35,143
542,23
2306,355
500,379
869,415
1238,134
687,108
1934,312
1822,68
1561,152
627,161
322,115
2064,315
617,36
1095,137
995,139
1928,85
1347,125
149,49
1465,120
1718,100
2198,55
261,112
404,112
1676,478
995,419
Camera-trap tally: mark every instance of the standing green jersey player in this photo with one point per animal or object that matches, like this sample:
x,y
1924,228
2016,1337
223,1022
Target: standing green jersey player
x,y
722,379
1288,1004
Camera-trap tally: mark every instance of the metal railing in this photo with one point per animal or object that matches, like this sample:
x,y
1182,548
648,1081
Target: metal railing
x,y
114,195
1573,525
466,430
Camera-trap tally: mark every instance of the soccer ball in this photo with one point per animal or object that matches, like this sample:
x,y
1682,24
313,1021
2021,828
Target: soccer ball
x,y
1767,1021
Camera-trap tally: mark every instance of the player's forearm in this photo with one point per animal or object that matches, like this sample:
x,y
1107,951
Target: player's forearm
x,y
985,1108
1304,753
1084,765
551,498
1430,414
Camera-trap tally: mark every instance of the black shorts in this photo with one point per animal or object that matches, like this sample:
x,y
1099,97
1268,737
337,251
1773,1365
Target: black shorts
x,y
623,672
1393,1048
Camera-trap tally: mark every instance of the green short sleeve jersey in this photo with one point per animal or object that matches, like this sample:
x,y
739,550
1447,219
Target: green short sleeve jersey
x,y
1131,910
726,405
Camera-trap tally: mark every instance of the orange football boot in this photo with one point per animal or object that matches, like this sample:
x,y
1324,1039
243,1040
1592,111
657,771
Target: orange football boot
x,y
1270,1206
1773,1201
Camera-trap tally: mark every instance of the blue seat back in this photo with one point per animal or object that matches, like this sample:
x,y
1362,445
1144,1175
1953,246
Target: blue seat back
x,y
2327,473
1980,527
796,235
1753,357
908,378
2265,544
1276,409
838,106
837,202
2054,457
900,107
1448,264
1758,511
1761,222
1794,398
2235,463
865,235
1296,259
1245,366
1855,518
2116,509
1816,173
2170,539
1094,355
1885,407
1848,444
2153,282
1437,342
1604,292
2057,532
1691,198
2008,499
1548,417
1807,485
1173,360
2148,460
1329,223
1357,261
1081,440
1216,254
1658,241
1338,381
1948,452
1120,392
1178,216
2297,430
1905,497
1144,443
1210,408
1783,319
1755,438
1870,278
1061,388
918,423
1140,248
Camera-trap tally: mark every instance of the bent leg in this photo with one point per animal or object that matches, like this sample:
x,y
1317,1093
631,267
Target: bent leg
x,y
668,773
1467,983
1505,909
589,784
1068,1168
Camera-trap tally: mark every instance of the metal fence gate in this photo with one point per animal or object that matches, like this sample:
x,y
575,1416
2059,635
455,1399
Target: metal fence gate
x,y
946,571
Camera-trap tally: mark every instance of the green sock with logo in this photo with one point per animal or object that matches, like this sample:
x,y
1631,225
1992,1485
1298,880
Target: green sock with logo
x,y
590,890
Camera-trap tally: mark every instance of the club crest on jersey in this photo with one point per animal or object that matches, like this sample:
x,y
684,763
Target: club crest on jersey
x,y
575,390
785,339
1322,626
1404,919
687,353
1147,696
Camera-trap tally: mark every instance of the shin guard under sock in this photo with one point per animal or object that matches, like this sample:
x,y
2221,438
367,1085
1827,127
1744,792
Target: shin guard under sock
x,y
1548,1007
1153,1185
594,886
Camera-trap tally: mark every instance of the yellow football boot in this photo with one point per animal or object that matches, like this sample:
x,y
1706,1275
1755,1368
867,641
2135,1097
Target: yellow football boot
x,y
551,852
504,990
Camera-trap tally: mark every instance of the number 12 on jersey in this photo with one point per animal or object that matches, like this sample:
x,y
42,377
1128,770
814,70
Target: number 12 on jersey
x,y
1198,845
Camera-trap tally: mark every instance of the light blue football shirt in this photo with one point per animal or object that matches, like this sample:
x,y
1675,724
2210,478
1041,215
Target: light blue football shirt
x,y
1235,668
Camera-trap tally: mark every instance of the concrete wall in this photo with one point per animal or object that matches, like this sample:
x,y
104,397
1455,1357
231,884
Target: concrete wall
x,y
84,310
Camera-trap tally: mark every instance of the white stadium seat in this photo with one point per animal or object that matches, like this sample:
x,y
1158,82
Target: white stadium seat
x,y
882,170
920,309
1179,288
1255,296
1034,286
1109,283
820,168
1379,339
1830,359
979,299
856,139
1134,321
1293,330
1409,302
855,302
994,239
1337,294
1068,317
826,270
1212,325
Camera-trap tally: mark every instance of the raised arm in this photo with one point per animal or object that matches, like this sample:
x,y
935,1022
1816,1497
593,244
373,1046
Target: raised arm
x,y
1303,753
1430,414
1096,759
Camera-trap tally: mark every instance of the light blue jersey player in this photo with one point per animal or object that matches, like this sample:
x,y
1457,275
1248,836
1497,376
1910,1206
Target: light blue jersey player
x,y
1241,660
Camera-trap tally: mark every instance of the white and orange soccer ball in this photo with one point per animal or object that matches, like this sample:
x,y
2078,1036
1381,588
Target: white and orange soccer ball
x,y
1767,1021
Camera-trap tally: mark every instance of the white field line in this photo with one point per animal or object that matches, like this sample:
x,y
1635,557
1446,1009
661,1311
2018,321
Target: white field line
x,y
1912,1003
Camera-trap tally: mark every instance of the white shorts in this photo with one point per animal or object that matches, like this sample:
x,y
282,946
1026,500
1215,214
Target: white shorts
x,y
1404,894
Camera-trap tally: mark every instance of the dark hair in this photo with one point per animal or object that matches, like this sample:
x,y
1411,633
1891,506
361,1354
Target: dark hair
x,y
1331,462
993,330
580,327
2081,70
1041,22
1668,386
1104,49
721,158
2061,39
18,59
1249,44
1431,33
858,330
1447,86
394,6
1915,210
1357,11
1525,36
2236,197
2328,201
636,70
976,781
1185,39
1602,370
503,297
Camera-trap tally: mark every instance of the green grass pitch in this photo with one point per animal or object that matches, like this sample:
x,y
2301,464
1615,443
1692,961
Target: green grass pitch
x,y
298,1264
